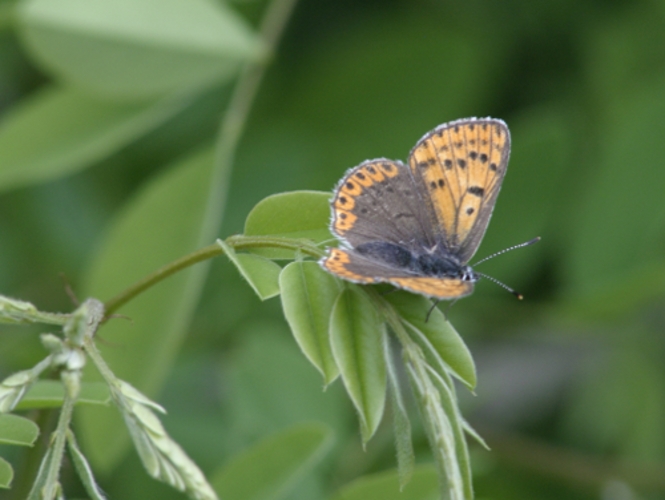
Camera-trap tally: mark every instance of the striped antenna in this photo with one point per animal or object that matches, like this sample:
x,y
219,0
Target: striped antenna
x,y
494,280
515,247
503,285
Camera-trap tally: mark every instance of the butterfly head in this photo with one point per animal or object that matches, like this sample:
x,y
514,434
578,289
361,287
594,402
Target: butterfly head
x,y
468,274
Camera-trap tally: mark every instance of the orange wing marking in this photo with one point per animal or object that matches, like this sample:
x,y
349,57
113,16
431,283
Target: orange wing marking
x,y
439,288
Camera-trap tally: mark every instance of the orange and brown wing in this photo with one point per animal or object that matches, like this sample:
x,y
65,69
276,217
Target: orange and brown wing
x,y
379,201
461,166
352,266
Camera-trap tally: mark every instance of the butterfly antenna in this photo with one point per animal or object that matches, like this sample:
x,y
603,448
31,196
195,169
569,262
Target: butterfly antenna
x,y
515,247
502,285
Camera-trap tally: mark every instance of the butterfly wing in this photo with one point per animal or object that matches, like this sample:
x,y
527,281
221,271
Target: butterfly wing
x,y
461,165
379,201
355,267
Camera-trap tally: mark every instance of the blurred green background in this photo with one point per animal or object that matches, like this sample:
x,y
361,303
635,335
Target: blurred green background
x,y
571,392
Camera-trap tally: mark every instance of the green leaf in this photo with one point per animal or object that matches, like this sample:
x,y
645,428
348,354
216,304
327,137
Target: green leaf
x,y
356,337
51,393
269,469
170,217
308,296
17,430
451,408
296,214
59,131
137,48
442,339
471,432
401,424
386,486
39,483
83,469
262,274
435,400
6,473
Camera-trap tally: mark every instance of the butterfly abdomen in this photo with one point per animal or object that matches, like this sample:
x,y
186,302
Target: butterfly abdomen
x,y
436,265
420,264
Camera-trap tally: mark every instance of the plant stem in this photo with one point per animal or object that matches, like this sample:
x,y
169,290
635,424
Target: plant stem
x,y
228,137
155,277
51,483
104,370
208,252
237,113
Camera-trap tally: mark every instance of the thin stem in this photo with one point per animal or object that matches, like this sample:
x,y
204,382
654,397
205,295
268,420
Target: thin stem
x,y
237,113
51,482
236,242
248,242
155,277
228,137
96,357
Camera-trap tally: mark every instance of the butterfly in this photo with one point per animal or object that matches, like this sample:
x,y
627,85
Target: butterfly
x,y
416,226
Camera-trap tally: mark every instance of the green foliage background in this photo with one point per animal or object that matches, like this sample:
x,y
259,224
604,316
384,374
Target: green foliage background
x,y
571,381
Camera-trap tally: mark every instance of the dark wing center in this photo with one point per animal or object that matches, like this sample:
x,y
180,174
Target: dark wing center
x,y
423,263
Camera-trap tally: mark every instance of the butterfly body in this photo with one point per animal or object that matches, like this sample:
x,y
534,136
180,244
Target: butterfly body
x,y
437,262
416,226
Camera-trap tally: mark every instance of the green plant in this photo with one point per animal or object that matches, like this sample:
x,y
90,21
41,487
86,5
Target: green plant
x,y
341,328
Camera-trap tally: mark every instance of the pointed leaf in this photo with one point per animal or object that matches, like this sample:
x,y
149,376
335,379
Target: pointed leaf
x,y
445,342
83,469
39,483
17,430
262,274
137,48
170,217
296,214
356,336
272,467
385,485
474,434
308,296
406,459
440,430
451,409
58,131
